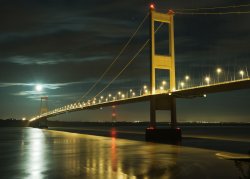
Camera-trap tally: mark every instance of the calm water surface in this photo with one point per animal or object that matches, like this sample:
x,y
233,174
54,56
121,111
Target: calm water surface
x,y
36,153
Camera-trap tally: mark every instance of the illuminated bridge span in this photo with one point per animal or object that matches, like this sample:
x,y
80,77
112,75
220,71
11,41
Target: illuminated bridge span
x,y
163,98
199,91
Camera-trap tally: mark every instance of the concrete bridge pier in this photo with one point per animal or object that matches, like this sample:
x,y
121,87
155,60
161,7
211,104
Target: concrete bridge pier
x,y
41,123
171,134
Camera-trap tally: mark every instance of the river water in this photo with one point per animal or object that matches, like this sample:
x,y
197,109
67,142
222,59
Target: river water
x,y
39,153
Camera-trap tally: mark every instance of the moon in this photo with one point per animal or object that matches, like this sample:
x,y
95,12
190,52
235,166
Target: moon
x,y
39,87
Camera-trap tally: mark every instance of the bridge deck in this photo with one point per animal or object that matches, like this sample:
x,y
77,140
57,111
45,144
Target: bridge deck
x,y
213,88
193,92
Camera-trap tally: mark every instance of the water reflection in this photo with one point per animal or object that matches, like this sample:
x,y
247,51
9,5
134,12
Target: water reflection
x,y
51,154
36,154
111,157
113,154
244,168
241,162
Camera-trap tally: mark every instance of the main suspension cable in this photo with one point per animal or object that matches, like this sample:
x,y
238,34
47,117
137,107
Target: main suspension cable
x,y
138,52
212,8
115,59
212,13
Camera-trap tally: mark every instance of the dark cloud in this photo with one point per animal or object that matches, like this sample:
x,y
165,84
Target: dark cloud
x,y
66,45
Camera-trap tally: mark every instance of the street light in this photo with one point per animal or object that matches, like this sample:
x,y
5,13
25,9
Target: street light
x,y
207,79
242,73
182,84
130,92
218,71
164,84
145,89
187,78
119,95
123,96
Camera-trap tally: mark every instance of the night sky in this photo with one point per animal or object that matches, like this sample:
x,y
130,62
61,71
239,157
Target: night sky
x,y
66,45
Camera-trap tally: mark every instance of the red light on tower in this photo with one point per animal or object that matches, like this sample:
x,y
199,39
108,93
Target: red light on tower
x,y
152,6
114,113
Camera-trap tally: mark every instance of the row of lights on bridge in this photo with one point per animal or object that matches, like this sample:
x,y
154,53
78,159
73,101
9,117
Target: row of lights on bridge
x,y
132,93
207,79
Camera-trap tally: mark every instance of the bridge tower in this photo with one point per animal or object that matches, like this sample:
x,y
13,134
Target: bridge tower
x,y
43,122
165,62
43,105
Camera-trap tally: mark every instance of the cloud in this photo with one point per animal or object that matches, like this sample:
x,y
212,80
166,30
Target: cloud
x,y
28,93
45,86
53,98
67,45
52,91
51,59
4,85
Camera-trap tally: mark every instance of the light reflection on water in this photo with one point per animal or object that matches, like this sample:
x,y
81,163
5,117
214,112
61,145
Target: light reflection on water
x,y
36,158
51,154
244,168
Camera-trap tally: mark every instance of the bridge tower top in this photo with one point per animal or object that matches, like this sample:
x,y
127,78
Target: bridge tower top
x,y
44,105
162,61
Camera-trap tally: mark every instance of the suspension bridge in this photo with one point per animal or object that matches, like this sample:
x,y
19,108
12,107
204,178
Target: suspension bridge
x,y
162,98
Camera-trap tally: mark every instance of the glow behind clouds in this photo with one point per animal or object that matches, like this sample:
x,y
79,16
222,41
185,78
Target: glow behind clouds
x,y
39,87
